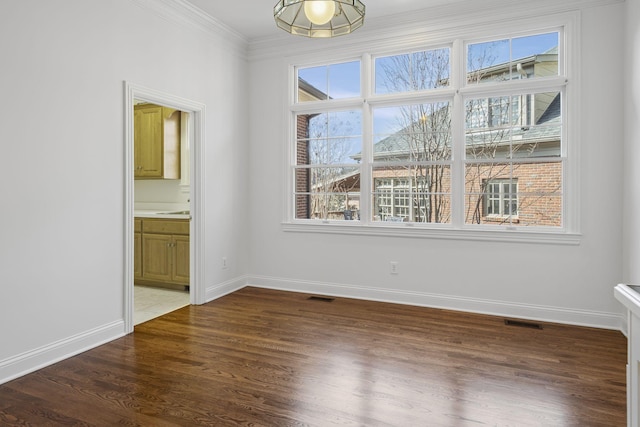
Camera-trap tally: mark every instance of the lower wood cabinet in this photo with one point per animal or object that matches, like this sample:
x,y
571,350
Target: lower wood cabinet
x,y
181,259
164,247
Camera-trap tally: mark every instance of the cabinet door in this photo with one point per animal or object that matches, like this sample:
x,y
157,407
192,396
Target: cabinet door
x,y
148,130
156,256
181,259
137,256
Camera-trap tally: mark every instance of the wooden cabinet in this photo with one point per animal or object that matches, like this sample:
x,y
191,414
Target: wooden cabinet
x,y
181,259
164,251
156,142
156,257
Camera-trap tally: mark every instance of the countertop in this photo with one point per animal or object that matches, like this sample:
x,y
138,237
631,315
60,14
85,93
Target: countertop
x,y
629,296
160,214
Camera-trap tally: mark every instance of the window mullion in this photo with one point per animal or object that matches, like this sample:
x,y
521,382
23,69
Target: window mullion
x,y
457,136
366,199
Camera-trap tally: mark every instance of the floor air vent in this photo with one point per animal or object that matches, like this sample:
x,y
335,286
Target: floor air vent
x,y
522,324
325,299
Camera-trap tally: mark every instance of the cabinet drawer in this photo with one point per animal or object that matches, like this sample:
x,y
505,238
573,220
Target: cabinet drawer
x,y
137,225
165,226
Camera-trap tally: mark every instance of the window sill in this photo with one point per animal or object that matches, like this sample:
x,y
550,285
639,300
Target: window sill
x,y
500,219
503,234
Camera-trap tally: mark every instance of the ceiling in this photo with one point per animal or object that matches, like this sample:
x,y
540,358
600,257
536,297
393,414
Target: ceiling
x,y
259,21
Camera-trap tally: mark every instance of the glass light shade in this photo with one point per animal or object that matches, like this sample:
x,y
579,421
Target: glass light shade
x,y
319,12
299,17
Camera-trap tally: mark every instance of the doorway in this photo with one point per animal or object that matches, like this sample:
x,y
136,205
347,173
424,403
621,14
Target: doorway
x,y
193,116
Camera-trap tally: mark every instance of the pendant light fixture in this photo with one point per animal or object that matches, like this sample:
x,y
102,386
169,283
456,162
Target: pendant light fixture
x,y
319,18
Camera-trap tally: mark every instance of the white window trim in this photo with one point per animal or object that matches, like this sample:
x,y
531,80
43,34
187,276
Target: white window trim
x,y
568,234
408,229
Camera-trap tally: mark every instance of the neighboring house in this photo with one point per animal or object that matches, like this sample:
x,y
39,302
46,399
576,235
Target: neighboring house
x,y
514,128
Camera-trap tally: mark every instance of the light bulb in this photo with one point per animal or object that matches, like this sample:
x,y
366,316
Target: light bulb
x,y
319,12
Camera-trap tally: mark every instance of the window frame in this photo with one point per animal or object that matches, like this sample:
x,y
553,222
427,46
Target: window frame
x,y
456,92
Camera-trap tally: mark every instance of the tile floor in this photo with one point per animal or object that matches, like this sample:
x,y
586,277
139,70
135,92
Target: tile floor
x,y
150,302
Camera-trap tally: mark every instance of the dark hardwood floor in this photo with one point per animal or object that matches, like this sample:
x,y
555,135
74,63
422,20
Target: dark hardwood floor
x,y
269,358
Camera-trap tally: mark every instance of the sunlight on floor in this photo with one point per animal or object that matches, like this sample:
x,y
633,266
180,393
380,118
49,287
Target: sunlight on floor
x,y
152,302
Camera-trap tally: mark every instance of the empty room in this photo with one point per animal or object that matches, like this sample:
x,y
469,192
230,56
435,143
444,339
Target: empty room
x,y
364,212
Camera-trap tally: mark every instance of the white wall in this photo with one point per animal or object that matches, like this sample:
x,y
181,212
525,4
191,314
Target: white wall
x,y
160,191
631,67
62,162
564,283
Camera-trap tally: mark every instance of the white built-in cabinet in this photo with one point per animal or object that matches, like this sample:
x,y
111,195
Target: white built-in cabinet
x,y
629,296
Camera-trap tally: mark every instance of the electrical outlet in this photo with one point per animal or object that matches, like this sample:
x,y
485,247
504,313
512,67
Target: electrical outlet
x,y
393,267
225,263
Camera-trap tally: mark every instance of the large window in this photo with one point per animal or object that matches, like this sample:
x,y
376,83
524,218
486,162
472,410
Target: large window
x,y
466,134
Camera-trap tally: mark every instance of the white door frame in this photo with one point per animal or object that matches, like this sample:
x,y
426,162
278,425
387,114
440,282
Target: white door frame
x,y
196,112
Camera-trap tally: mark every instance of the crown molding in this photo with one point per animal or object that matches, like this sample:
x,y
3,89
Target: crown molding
x,y
420,24
189,16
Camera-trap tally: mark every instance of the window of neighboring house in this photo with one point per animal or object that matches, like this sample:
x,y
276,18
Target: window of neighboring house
x,y
501,198
420,146
499,111
398,200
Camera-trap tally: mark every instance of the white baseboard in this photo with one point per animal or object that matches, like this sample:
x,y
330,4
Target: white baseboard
x,y
496,308
33,360
224,288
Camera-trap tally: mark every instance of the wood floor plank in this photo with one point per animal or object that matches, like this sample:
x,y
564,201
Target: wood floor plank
x,y
261,357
